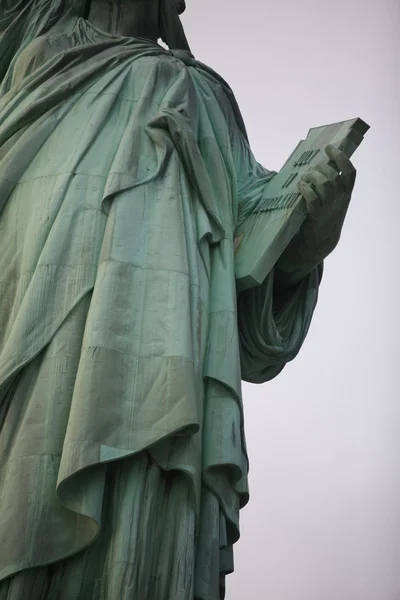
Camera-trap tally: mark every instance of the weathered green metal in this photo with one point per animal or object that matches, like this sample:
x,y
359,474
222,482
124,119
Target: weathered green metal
x,y
125,172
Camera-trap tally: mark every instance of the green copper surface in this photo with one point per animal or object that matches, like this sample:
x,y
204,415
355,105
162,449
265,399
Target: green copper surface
x,y
124,173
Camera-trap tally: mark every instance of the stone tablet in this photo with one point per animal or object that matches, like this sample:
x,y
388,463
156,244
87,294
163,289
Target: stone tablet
x,y
282,209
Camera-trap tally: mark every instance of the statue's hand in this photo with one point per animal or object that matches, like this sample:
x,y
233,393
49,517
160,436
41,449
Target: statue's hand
x,y
327,190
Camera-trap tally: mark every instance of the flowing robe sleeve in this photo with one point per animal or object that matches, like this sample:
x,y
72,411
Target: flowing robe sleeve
x,y
273,322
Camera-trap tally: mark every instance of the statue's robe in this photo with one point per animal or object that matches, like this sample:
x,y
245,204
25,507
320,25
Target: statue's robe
x,y
124,172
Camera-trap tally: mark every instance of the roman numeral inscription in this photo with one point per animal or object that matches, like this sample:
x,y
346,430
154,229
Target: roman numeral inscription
x,y
290,180
306,157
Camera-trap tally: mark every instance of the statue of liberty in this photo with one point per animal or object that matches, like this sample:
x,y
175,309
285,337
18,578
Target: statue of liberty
x,y
124,171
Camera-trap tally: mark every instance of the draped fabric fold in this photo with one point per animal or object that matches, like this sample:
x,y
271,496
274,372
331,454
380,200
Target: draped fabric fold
x,y
273,328
124,170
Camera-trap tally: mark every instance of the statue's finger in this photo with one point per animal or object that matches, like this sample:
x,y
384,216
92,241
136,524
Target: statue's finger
x,y
322,186
333,176
339,157
345,165
313,200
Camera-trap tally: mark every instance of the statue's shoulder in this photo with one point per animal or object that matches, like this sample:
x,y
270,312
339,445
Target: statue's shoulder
x,y
224,94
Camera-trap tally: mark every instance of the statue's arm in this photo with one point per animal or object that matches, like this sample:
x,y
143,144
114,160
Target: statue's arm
x,y
252,180
327,189
273,317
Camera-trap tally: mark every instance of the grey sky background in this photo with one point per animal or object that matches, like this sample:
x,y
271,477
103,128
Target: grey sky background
x,y
323,521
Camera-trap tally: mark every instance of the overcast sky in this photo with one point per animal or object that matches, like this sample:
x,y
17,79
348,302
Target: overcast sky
x,y
323,522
